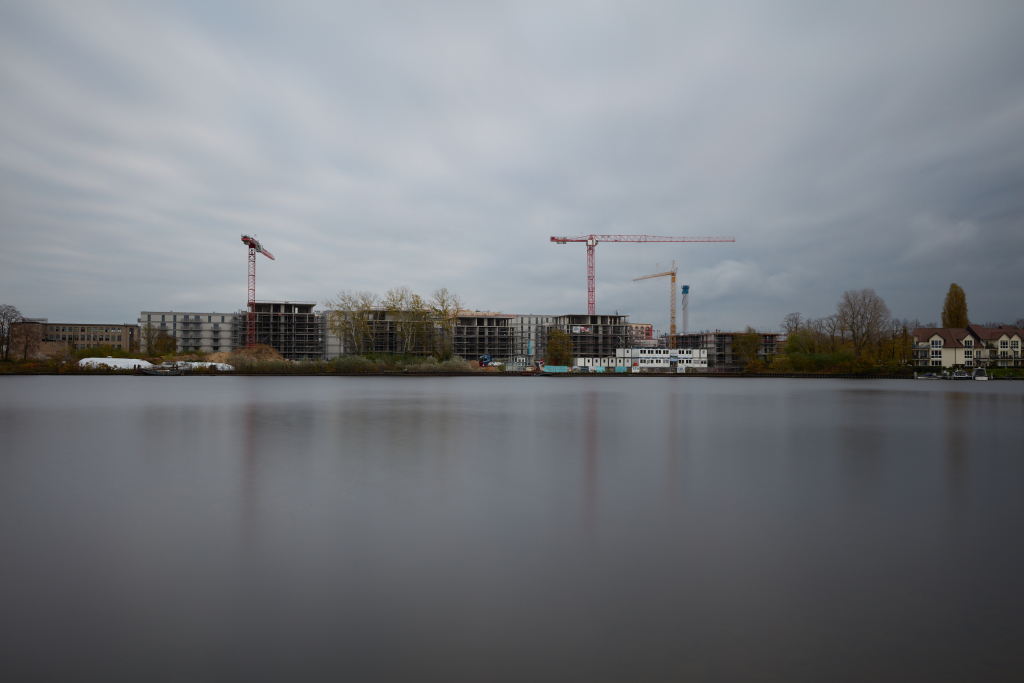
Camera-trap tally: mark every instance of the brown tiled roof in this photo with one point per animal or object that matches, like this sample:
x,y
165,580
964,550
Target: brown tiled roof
x,y
952,337
990,333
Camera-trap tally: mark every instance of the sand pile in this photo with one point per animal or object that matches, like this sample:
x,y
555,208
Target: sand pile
x,y
257,352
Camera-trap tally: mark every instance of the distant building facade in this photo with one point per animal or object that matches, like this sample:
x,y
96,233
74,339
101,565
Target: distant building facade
x,y
642,331
59,337
192,331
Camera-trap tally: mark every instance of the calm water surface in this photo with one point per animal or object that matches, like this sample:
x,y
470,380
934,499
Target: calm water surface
x,y
526,529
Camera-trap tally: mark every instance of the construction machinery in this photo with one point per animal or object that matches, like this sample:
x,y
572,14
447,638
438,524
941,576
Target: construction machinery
x,y
254,247
668,273
593,240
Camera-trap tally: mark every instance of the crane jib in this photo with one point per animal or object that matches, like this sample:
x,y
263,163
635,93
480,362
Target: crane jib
x,y
593,240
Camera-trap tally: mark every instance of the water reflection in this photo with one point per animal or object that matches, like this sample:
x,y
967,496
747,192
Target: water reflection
x,y
591,482
511,530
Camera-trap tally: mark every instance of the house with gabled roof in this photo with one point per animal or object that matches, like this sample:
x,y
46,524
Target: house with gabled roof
x,y
1000,346
968,347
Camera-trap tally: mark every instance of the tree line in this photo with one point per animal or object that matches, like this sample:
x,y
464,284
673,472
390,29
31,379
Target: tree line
x,y
401,321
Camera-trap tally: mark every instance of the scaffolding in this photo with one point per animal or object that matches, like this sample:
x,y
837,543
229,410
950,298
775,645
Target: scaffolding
x,y
293,328
593,336
485,335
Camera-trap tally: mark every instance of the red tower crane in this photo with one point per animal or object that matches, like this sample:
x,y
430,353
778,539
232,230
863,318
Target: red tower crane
x,y
254,246
592,241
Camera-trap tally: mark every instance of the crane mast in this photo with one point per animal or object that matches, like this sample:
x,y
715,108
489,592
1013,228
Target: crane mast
x,y
593,240
254,247
672,274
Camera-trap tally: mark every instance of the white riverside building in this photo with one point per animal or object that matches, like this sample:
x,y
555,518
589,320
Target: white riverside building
x,y
193,330
651,360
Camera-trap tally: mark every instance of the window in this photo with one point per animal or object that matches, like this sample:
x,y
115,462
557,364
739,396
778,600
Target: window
x,y
175,317
149,317
118,337
937,362
936,343
222,318
968,363
968,343
1003,344
209,318
968,353
163,324
163,317
936,353
1014,344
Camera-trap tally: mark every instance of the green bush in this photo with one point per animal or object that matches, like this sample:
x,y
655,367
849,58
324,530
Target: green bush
x,y
353,364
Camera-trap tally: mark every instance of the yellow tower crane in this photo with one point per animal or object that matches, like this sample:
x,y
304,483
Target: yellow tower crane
x,y
671,273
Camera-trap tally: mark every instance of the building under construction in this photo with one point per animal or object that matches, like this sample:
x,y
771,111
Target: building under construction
x,y
484,334
593,336
719,347
291,327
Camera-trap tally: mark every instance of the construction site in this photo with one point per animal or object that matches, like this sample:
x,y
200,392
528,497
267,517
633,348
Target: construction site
x,y
300,332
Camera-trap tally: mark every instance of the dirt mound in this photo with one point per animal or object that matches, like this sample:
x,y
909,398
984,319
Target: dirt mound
x,y
219,357
259,352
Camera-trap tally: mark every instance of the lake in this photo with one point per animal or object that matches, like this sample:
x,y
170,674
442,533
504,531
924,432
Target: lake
x,y
510,529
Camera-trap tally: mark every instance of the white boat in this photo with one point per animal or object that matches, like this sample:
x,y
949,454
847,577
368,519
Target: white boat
x,y
979,373
960,374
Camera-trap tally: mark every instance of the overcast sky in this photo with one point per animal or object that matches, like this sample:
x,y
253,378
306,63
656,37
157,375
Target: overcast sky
x,y
436,144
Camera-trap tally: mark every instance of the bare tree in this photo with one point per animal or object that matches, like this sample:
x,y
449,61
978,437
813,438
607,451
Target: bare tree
x,y
895,341
26,338
828,333
410,316
792,322
149,339
9,317
350,318
1019,324
863,315
445,307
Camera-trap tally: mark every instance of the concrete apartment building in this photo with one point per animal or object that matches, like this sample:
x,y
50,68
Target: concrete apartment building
x,y
967,347
193,330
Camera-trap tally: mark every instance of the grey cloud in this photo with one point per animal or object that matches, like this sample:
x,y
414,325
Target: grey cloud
x,y
442,144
